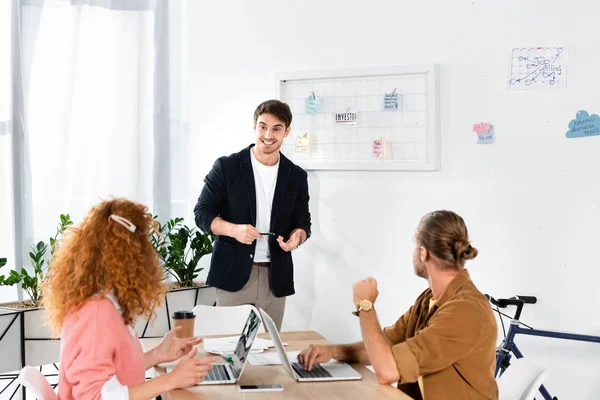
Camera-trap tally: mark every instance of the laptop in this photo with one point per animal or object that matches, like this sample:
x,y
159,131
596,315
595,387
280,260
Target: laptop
x,y
229,373
319,372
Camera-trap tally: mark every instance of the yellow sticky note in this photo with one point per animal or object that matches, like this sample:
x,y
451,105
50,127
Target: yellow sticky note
x,y
302,143
379,149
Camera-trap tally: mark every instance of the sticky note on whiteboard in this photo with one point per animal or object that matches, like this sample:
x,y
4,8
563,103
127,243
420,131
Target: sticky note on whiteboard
x,y
379,149
312,104
391,101
302,143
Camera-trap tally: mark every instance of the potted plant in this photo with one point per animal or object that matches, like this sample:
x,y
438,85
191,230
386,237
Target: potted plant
x,y
10,331
179,249
38,347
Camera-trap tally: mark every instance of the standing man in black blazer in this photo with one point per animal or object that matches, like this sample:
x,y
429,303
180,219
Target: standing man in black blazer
x,y
256,203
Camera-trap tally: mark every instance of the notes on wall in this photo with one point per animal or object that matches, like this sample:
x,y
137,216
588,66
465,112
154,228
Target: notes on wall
x,y
584,125
302,143
391,101
534,68
485,133
312,104
346,118
379,149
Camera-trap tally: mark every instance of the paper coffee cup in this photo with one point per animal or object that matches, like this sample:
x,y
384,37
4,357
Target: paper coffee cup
x,y
186,320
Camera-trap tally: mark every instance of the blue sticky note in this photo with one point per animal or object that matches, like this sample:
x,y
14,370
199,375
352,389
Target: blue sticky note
x,y
486,138
584,125
312,104
391,101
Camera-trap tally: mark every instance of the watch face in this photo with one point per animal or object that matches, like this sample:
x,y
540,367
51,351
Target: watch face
x,y
366,305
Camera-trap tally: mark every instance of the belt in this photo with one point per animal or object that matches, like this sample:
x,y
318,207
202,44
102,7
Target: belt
x,y
262,264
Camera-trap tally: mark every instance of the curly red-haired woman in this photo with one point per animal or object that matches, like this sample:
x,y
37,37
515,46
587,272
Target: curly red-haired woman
x,y
104,276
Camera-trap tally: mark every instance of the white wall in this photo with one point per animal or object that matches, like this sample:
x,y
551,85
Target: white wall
x,y
530,200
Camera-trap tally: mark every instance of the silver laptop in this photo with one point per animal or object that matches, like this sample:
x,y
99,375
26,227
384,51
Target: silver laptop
x,y
319,372
224,374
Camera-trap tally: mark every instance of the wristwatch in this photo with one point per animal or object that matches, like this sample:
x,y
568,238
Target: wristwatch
x,y
363,305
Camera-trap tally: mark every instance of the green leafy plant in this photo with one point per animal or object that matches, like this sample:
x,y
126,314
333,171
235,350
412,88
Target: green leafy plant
x,y
180,249
160,237
12,278
37,255
31,283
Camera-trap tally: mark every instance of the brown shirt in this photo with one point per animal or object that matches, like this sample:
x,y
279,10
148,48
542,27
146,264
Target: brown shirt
x,y
452,346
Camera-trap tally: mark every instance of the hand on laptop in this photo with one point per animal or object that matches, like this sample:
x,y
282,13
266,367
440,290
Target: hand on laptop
x,y
315,354
190,371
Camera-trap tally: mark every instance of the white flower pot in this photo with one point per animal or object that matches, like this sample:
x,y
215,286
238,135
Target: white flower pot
x,y
27,341
11,341
24,340
40,347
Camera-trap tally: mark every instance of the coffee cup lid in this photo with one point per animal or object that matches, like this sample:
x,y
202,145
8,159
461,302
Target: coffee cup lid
x,y
183,315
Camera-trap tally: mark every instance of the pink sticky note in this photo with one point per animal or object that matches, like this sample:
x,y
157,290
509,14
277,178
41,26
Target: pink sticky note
x,y
482,129
379,148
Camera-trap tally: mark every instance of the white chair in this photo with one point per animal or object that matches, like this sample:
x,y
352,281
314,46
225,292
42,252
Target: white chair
x,y
521,380
35,382
221,320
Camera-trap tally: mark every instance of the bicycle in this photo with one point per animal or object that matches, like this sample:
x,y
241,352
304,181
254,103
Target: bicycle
x,y
508,346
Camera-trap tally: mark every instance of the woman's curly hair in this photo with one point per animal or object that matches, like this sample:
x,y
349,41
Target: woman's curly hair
x,y
100,255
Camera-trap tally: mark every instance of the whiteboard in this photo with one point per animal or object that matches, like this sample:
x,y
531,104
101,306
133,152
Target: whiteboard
x,y
411,133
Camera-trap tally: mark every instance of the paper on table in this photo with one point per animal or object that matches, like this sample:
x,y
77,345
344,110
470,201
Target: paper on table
x,y
228,344
271,358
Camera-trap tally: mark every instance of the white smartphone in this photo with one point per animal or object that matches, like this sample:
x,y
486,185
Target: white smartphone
x,y
260,388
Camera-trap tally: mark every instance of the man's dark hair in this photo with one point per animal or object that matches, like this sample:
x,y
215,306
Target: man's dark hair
x,y
276,108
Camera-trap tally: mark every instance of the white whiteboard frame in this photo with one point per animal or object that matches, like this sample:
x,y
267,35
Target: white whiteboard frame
x,y
433,117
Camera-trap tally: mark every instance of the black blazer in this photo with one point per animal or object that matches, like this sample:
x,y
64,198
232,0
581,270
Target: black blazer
x,y
229,192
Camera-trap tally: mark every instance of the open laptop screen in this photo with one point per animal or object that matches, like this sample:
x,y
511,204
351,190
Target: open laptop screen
x,y
245,343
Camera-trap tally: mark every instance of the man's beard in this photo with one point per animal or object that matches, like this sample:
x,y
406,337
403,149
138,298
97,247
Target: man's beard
x,y
420,270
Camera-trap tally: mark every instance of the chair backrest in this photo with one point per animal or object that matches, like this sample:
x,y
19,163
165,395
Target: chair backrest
x,y
521,380
35,382
213,320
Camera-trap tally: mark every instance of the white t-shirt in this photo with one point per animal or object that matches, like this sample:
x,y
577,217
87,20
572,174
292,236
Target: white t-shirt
x,y
265,178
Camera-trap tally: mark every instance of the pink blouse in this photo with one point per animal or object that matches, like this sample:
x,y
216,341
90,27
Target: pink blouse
x,y
98,351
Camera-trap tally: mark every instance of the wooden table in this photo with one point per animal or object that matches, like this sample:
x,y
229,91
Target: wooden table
x,y
366,388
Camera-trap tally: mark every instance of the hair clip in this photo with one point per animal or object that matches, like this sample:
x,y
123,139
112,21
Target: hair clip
x,y
125,222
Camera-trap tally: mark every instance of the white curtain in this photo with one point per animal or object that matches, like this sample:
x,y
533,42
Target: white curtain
x,y
103,111
6,214
90,109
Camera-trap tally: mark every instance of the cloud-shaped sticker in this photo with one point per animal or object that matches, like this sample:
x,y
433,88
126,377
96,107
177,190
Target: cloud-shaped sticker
x,y
584,125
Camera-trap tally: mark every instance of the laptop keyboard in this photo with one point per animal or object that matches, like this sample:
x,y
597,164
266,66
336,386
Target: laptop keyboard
x,y
317,371
218,373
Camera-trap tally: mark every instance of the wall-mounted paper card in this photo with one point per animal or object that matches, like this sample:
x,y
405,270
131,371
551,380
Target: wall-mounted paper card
x,y
482,128
534,68
584,125
302,143
391,101
346,118
312,104
379,149
486,138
